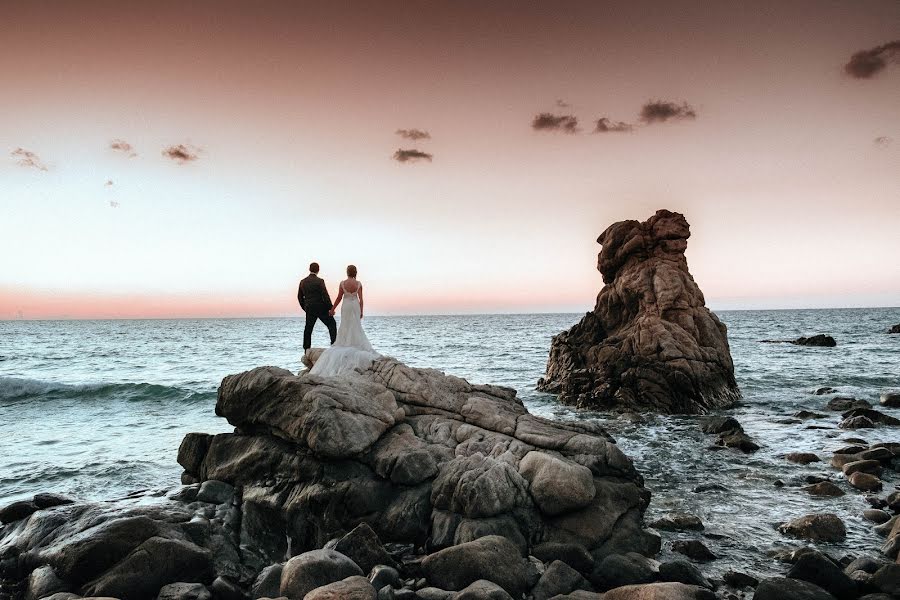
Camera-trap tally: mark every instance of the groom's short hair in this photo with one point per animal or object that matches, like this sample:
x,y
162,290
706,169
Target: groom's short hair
x,y
314,267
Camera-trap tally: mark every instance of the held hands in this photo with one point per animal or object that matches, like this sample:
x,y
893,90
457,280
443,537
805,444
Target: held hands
x,y
331,313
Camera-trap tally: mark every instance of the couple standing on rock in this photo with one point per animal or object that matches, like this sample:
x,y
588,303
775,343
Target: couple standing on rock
x,y
350,348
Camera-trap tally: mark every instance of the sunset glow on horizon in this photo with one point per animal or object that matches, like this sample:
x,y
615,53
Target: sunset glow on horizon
x,y
162,160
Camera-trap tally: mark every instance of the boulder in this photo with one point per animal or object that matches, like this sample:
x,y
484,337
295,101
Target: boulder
x,y
865,482
857,423
363,547
215,492
184,591
845,403
483,590
557,485
682,571
894,329
821,340
492,557
825,527
650,344
802,458
267,583
314,569
737,579
823,488
617,570
659,591
887,579
16,511
819,569
694,549
574,555
873,415
890,399
558,578
351,588
862,466
43,582
678,522
780,588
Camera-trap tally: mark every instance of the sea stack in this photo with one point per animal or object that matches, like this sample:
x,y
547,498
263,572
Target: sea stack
x,y
650,344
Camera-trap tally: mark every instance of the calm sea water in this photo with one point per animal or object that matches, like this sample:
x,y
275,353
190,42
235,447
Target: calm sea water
x,y
97,409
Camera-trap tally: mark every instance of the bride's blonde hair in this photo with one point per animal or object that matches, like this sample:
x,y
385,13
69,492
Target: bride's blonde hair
x,y
351,270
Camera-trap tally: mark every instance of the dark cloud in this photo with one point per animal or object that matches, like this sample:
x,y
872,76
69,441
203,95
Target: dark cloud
x,y
550,122
108,183
124,147
26,158
560,103
604,125
413,134
411,155
182,153
113,204
883,141
659,111
865,64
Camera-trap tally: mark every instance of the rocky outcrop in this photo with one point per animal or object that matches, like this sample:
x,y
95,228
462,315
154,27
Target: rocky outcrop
x,y
821,340
650,344
894,329
394,471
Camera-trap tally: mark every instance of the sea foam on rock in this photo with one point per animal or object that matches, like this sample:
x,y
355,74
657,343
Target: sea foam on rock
x,y
650,344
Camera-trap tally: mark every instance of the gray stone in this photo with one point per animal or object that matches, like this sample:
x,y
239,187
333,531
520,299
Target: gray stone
x,y
493,558
682,571
617,570
815,567
574,555
825,527
780,588
363,547
558,578
483,590
313,569
268,582
887,579
890,399
556,484
351,588
215,492
184,591
44,581
659,591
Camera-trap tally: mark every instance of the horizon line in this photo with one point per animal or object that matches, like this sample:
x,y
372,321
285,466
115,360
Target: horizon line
x,y
407,315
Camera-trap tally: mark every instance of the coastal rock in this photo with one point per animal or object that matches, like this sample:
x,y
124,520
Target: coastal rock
x,y
558,578
184,591
844,403
363,547
694,549
825,527
802,458
678,522
492,558
823,488
894,329
650,344
351,588
574,555
659,591
821,340
483,590
682,571
890,399
865,482
819,569
617,570
315,569
780,588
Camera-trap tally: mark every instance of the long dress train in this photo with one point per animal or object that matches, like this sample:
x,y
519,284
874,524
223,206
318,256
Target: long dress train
x,y
351,349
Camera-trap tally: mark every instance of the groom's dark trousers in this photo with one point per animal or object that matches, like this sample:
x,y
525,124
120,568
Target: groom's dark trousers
x,y
315,301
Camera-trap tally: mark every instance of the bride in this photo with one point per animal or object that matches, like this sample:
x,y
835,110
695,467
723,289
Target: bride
x,y
351,349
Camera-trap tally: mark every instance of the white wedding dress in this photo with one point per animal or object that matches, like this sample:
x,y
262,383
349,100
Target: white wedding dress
x,y
351,349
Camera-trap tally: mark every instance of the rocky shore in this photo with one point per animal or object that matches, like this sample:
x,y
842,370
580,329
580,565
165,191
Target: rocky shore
x,y
406,483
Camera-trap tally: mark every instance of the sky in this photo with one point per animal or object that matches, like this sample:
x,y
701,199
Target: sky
x,y
172,160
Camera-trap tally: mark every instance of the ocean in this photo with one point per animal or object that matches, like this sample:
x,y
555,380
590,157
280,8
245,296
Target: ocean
x,y
97,409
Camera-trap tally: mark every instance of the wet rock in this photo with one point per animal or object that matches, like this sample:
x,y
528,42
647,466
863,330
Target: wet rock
x,y
355,587
890,399
738,440
862,466
492,557
803,458
819,569
43,582
383,575
363,547
150,566
709,487
559,578
780,588
887,579
821,340
876,416
556,484
867,564
876,516
483,590
885,528
650,344
193,449
894,329
617,570
851,450
823,488
823,527
184,591
737,579
314,569
574,555
17,511
49,500
865,482
824,390
215,492
433,593
268,583
857,423
719,424
659,591
844,403
681,571
879,453
678,522
694,549
806,414
839,460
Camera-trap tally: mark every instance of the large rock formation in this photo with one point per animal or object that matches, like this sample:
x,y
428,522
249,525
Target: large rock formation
x,y
650,344
421,461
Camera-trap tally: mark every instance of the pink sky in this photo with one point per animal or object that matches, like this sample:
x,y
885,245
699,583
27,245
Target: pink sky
x,y
294,106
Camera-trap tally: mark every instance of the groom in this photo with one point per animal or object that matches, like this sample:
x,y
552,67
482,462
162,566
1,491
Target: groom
x,y
315,301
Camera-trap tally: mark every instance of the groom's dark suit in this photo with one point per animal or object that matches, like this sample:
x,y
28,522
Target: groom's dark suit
x,y
315,301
